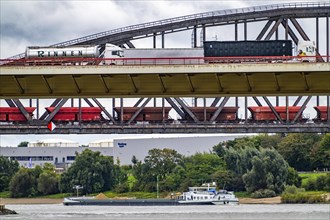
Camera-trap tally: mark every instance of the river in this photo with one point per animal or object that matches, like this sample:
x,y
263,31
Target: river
x,y
243,211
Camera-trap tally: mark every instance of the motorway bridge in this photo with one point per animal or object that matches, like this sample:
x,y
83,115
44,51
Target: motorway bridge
x,y
263,84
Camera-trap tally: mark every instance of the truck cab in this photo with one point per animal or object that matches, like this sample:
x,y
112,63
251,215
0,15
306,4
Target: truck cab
x,y
309,51
112,55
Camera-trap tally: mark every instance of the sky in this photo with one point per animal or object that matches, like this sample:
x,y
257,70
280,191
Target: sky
x,y
44,22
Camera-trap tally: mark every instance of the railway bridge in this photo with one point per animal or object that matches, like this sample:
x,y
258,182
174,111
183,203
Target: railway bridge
x,y
198,97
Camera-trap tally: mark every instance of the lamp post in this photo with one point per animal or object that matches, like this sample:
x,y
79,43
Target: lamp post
x,y
77,187
157,188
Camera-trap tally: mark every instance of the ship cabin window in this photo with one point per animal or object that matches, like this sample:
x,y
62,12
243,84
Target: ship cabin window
x,y
205,197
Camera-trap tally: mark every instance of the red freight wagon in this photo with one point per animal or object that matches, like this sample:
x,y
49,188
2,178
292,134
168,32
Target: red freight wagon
x,y
322,113
14,114
151,114
72,114
226,114
264,113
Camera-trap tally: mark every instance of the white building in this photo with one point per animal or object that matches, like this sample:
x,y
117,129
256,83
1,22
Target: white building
x,y
62,153
58,152
125,148
53,143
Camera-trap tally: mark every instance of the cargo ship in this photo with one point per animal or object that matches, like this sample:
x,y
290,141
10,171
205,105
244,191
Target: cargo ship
x,y
195,196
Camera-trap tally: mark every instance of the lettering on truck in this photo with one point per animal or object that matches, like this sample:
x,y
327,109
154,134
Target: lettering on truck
x,y
71,53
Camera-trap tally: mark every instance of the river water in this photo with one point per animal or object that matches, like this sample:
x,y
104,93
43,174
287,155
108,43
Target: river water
x,y
212,212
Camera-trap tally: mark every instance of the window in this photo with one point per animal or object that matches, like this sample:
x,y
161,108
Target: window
x,y
70,158
33,158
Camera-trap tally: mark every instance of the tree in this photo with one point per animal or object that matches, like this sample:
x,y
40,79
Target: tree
x,y
23,144
296,150
162,161
48,183
134,160
269,172
238,160
293,178
7,170
91,170
199,168
321,153
24,183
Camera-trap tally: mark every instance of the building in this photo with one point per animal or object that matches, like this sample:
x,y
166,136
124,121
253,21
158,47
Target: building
x,y
58,152
125,148
62,153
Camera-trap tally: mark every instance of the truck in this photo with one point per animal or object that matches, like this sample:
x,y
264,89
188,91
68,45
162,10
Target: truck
x,y
211,52
106,53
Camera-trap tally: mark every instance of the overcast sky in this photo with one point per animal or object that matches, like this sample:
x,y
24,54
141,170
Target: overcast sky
x,y
41,23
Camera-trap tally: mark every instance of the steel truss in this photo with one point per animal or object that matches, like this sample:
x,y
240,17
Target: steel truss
x,y
191,118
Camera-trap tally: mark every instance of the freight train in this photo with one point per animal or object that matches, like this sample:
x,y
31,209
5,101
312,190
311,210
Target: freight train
x,y
110,54
154,115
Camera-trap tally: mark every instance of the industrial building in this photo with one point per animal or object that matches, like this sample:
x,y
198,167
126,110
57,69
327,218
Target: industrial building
x,y
62,153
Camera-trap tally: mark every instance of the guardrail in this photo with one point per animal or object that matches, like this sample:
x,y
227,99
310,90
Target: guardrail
x,y
186,18
161,61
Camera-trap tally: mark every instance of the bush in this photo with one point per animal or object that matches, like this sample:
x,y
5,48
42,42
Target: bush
x,y
319,183
327,183
263,193
122,188
302,198
292,194
310,184
293,189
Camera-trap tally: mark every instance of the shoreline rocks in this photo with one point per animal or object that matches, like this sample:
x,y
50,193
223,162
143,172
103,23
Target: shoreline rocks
x,y
4,211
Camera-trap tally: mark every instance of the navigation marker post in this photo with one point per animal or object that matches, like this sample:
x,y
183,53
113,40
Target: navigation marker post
x,y
51,126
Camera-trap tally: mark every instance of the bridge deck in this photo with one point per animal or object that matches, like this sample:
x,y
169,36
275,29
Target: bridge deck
x,y
204,80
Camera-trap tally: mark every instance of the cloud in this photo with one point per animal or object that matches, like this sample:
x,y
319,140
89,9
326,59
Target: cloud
x,y
40,22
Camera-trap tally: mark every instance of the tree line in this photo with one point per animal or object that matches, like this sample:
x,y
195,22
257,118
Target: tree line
x,y
261,165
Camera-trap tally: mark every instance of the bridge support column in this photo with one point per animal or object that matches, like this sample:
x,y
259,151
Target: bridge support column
x,y
121,110
204,33
155,40
245,30
327,30
236,30
204,104
317,33
163,39
287,108
79,113
37,105
328,107
113,106
195,37
246,109
286,29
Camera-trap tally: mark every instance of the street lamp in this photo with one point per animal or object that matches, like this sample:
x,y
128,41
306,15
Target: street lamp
x,y
77,187
157,186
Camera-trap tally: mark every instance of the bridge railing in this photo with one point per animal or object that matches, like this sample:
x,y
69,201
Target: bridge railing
x,y
161,61
186,18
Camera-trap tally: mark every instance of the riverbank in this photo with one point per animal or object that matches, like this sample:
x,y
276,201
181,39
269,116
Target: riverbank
x,y
22,201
